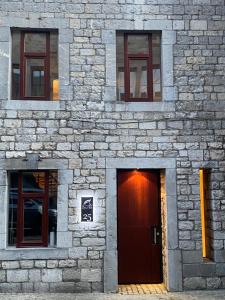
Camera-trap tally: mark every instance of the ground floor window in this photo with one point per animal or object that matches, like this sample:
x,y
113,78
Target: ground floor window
x,y
32,218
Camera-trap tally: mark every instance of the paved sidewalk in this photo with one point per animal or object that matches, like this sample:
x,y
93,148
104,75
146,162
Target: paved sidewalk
x,y
196,295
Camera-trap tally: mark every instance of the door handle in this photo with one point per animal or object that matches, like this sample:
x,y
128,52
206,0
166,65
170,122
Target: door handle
x,y
156,234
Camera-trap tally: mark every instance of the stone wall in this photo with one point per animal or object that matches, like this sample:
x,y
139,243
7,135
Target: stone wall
x,y
88,125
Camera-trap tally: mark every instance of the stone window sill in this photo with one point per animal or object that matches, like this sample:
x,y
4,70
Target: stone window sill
x,y
141,106
12,253
32,105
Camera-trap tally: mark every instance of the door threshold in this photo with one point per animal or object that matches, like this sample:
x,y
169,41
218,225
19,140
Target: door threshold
x,y
136,289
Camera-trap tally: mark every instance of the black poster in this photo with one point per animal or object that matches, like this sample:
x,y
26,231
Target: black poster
x,y
86,209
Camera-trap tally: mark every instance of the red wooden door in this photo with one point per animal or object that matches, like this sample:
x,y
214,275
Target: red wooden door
x,y
139,241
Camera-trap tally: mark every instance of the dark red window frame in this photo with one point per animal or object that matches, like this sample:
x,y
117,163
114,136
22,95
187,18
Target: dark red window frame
x,y
35,55
22,196
143,56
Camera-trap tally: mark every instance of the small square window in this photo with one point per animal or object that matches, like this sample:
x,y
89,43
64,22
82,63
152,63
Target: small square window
x,y
32,218
138,67
34,65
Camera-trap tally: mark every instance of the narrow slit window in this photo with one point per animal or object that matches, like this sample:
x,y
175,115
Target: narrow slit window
x,y
204,212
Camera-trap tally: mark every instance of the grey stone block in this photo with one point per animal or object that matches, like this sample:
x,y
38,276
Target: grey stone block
x,y
2,276
27,287
17,275
158,25
34,275
213,283
41,287
10,287
110,277
10,265
62,287
78,252
91,275
71,274
4,34
194,283
192,256
204,270
64,239
198,25
49,275
174,270
82,287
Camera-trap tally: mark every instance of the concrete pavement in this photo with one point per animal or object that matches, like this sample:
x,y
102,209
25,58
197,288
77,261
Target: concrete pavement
x,y
193,295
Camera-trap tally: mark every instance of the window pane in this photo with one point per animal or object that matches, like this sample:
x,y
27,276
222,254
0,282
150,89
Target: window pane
x,y
52,207
15,65
54,66
120,66
34,81
156,84
35,42
156,49
13,200
138,78
138,44
33,209
156,60
33,182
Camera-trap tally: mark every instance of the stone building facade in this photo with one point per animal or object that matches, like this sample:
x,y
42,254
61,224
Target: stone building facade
x,y
87,135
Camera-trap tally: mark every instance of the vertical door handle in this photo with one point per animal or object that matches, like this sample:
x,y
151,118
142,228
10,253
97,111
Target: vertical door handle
x,y
156,235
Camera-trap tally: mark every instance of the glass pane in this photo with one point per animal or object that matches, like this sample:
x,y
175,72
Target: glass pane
x,y
13,200
35,42
33,219
120,65
156,56
54,94
15,64
156,49
34,81
156,39
33,182
138,44
52,207
138,78
156,84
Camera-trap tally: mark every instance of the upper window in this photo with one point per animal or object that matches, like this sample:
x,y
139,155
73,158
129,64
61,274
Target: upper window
x,y
138,67
34,65
32,218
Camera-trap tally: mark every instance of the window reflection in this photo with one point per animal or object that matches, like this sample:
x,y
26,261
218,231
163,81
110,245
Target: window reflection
x,y
35,42
35,75
33,182
138,44
138,79
32,219
156,85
